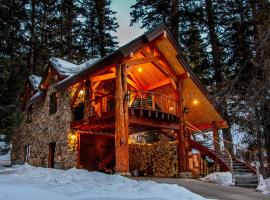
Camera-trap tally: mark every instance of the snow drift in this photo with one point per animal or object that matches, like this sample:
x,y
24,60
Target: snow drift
x,y
27,182
221,178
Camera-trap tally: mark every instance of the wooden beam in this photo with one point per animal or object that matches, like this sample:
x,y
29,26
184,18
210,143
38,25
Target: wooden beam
x,y
140,61
96,85
152,122
184,76
133,84
135,80
103,77
158,84
121,134
76,94
173,84
181,139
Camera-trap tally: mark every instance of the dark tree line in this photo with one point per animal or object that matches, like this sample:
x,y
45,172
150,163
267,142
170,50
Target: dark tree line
x,y
227,44
32,31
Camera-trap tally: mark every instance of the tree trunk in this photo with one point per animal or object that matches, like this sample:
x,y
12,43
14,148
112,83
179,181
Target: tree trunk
x,y
33,37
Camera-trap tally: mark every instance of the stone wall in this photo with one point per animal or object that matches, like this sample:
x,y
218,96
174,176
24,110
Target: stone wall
x,y
158,159
43,130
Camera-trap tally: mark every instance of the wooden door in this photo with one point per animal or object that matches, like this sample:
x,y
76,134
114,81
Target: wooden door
x,y
51,155
95,149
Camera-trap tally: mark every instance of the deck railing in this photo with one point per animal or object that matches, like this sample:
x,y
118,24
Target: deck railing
x,y
153,101
143,100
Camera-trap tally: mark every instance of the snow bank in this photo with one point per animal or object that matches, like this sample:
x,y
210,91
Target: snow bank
x,y
222,178
264,185
27,182
5,157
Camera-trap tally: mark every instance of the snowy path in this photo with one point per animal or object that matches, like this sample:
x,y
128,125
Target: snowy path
x,y
213,191
31,183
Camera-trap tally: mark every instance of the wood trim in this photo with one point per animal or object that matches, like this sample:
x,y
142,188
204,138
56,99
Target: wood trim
x,y
140,61
103,77
75,95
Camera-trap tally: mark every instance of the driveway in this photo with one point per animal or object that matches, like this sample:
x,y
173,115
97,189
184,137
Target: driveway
x,y
211,190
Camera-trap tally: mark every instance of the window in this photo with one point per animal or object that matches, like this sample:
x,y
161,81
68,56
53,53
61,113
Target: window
x,y
53,103
26,153
29,113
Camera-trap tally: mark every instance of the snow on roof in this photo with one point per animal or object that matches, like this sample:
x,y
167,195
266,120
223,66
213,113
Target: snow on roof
x,y
68,69
35,96
34,80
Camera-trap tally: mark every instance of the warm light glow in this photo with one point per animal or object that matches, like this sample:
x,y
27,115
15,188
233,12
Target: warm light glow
x,y
81,92
139,69
171,108
195,102
73,137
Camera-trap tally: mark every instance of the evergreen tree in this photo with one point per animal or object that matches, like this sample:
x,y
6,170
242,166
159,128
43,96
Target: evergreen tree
x,y
99,25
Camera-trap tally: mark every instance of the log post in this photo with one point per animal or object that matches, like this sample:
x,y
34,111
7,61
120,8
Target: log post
x,y
87,99
216,137
182,157
121,122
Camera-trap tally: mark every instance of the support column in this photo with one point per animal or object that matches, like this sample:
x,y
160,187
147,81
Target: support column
x,y
216,137
121,122
182,157
87,99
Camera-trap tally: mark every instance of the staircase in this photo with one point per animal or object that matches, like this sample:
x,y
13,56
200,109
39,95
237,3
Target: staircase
x,y
243,174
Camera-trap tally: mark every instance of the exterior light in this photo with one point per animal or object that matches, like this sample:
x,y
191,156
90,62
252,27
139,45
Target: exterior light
x,y
73,137
186,110
195,102
171,108
81,92
127,96
139,69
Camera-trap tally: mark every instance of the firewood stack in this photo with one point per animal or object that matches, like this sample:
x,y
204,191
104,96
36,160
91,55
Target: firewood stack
x,y
158,159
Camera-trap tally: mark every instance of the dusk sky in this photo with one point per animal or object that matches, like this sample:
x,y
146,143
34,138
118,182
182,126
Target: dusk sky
x,y
125,33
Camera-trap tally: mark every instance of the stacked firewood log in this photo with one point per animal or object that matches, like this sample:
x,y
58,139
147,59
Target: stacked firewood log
x,y
158,159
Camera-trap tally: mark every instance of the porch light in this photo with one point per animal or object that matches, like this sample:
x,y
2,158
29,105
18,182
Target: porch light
x,y
186,109
139,69
81,92
171,109
127,96
195,102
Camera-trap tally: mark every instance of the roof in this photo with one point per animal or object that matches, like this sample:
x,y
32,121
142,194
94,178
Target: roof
x,y
34,81
114,57
66,68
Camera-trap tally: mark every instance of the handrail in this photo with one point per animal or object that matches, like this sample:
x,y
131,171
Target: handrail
x,y
198,130
154,93
241,148
140,99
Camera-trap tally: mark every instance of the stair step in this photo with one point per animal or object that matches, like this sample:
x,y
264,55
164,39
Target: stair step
x,y
247,185
246,182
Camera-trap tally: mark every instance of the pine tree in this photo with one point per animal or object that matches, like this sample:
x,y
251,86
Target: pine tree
x,y
12,63
100,23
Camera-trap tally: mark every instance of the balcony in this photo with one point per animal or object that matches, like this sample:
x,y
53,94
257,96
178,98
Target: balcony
x,y
146,108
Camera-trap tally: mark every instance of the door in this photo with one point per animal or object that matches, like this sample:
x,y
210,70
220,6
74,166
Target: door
x,y
96,151
51,154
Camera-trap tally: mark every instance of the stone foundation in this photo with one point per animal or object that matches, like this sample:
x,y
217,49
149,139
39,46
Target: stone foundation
x,y
43,130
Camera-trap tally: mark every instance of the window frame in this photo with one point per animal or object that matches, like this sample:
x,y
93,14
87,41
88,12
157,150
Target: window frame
x,y
53,103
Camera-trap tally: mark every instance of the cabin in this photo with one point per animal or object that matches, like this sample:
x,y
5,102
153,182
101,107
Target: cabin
x,y
132,111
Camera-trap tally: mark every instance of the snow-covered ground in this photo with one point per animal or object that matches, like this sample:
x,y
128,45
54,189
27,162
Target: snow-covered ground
x,y
221,178
30,183
264,185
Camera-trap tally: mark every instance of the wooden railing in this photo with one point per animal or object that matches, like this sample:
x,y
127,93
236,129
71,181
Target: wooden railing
x,y
143,100
153,101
